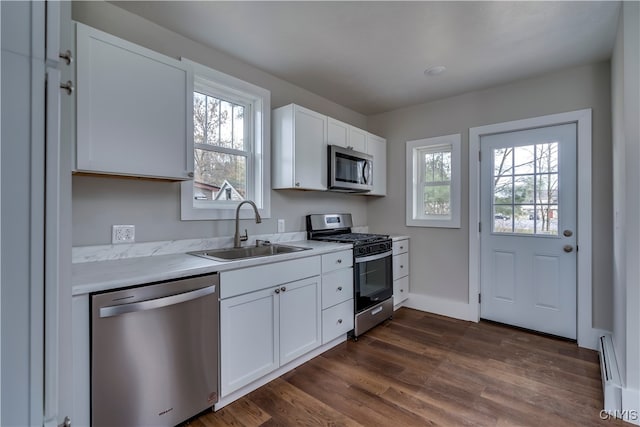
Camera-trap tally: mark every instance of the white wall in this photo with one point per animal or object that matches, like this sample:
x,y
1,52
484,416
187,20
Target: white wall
x,y
439,257
626,202
154,207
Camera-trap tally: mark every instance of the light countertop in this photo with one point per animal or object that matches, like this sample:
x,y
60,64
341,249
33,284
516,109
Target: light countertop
x,y
99,276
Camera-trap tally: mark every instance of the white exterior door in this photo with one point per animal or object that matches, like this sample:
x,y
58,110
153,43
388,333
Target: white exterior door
x,y
528,196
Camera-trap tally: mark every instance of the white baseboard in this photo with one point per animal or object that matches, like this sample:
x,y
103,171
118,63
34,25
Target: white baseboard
x,y
590,338
445,307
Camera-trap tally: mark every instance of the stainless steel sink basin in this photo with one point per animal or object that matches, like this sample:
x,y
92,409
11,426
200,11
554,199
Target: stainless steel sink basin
x,y
230,254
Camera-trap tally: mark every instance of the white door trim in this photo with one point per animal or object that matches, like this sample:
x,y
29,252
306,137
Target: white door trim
x,y
587,335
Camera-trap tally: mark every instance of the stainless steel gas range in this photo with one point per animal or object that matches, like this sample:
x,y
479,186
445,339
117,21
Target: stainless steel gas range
x,y
372,261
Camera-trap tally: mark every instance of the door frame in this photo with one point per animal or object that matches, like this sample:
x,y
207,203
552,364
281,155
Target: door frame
x,y
586,334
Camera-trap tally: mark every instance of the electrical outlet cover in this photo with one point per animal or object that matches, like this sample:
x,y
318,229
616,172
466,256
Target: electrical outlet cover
x,y
123,234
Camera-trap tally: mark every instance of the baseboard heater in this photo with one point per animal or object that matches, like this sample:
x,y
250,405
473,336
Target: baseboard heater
x,y
611,383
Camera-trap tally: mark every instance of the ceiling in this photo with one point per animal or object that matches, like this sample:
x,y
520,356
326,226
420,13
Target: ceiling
x,y
371,56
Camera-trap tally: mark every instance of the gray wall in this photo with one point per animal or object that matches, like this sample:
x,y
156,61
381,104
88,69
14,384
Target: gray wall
x,y
626,198
154,207
439,257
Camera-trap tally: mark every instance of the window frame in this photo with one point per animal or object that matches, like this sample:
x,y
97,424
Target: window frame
x,y
415,182
214,83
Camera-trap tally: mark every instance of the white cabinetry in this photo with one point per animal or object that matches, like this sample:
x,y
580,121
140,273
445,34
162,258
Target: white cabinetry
x,y
337,294
299,148
400,272
132,109
267,319
345,135
377,147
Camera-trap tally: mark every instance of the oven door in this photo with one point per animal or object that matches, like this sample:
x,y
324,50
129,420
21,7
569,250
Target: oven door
x,y
349,170
373,280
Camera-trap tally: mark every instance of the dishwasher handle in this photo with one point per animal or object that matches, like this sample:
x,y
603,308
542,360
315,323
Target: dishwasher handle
x,y
116,310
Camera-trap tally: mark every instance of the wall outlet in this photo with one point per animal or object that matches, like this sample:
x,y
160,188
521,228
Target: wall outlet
x,y
281,226
123,234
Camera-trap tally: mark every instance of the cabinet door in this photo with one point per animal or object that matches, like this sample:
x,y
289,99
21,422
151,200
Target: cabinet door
x,y
357,139
249,338
310,149
377,147
337,133
131,109
345,135
300,317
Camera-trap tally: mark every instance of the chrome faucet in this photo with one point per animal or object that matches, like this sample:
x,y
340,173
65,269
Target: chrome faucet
x,y
237,238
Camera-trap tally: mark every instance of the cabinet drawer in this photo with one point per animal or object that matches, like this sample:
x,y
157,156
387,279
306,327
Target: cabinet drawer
x,y
400,290
337,287
251,279
336,261
400,265
337,320
400,246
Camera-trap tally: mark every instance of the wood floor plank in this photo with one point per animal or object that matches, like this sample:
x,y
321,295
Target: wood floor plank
x,y
421,369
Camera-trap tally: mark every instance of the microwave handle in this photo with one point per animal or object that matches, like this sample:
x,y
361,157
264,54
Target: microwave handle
x,y
366,172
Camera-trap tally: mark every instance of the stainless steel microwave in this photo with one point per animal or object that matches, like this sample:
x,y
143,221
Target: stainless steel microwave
x,y
349,170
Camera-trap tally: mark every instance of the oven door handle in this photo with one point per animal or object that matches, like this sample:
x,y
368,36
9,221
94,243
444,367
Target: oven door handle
x,y
373,257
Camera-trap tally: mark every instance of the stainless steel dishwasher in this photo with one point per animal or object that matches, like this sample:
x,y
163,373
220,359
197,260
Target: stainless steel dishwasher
x,y
154,352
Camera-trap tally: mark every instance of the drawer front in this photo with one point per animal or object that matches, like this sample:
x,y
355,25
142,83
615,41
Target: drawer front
x,y
400,265
336,261
337,320
337,287
400,246
400,290
251,279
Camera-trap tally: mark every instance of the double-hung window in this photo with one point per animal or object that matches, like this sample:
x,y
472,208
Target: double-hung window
x,y
230,146
433,182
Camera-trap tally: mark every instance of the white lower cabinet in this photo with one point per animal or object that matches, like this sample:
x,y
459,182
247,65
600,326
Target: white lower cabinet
x,y
337,320
249,338
299,318
400,272
337,294
268,328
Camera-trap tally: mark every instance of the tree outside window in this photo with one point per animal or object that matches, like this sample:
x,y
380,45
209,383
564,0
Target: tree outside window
x,y
221,153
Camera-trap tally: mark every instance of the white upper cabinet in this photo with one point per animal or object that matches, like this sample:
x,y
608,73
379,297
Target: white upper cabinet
x,y
345,135
377,147
132,109
299,148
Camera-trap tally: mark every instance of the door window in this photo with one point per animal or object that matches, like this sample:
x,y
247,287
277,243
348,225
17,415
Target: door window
x,y
525,189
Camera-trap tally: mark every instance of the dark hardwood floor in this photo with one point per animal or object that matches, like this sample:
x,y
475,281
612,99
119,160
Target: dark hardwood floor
x,y
422,369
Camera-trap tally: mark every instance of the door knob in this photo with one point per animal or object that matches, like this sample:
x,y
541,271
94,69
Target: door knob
x,y
567,233
568,248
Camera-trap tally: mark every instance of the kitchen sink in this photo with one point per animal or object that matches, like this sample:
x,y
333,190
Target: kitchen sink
x,y
230,254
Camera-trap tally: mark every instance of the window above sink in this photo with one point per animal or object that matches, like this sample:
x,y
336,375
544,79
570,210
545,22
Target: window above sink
x,y
230,153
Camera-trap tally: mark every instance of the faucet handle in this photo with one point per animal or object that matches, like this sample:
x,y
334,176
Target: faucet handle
x,y
245,237
260,242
